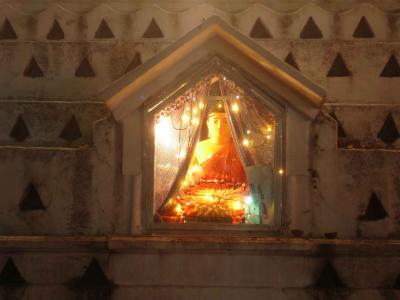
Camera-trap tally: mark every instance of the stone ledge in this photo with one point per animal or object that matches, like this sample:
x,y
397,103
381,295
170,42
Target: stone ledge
x,y
257,245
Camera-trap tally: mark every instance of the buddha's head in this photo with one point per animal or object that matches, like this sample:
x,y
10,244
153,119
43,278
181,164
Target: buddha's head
x,y
218,128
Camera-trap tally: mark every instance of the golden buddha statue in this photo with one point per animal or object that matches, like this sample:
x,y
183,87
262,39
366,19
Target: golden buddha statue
x,y
215,186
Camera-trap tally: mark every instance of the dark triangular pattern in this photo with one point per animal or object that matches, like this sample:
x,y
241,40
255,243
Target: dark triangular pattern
x,y
153,30
389,133
71,130
10,276
93,276
103,32
135,62
311,30
56,32
397,283
290,60
363,30
85,69
7,31
259,30
329,279
341,133
31,199
375,210
33,70
20,131
338,68
215,89
392,68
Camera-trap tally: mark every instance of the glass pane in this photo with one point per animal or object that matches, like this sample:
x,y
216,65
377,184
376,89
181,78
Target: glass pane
x,y
215,157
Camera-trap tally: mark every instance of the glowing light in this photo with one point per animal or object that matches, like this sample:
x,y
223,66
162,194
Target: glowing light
x,y
179,209
246,142
248,131
185,183
248,200
187,108
268,137
237,205
219,105
269,128
181,154
195,111
185,118
194,98
201,105
208,197
195,121
235,107
163,132
224,78
281,171
237,96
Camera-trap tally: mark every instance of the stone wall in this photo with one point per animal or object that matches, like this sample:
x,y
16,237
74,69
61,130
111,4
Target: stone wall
x,y
60,150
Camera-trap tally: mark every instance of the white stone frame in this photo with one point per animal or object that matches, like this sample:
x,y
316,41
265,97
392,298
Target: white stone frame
x,y
301,98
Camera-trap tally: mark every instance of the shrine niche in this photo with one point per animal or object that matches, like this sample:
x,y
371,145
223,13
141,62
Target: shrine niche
x,y
216,155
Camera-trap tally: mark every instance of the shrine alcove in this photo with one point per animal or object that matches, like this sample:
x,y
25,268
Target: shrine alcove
x,y
216,135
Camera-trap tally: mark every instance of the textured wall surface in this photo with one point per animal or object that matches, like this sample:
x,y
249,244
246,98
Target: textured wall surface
x,y
60,150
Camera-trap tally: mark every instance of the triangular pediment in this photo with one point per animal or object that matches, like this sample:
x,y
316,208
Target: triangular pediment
x,y
213,38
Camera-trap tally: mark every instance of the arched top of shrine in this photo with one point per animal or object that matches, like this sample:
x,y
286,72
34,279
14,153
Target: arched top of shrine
x,y
213,38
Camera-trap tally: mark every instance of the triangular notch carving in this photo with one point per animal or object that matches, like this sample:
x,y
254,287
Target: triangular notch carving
x,y
71,130
329,279
56,32
33,70
153,30
7,31
392,68
135,62
10,276
290,60
338,68
389,133
260,31
85,69
31,199
375,210
104,31
20,131
311,30
93,277
363,30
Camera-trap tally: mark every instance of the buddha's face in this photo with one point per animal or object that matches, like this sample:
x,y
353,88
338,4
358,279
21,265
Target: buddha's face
x,y
218,128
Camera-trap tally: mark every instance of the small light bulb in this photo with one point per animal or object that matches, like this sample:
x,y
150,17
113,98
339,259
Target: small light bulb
x,y
248,131
235,107
201,105
269,128
237,96
220,105
248,200
281,171
224,78
246,142
185,118
268,137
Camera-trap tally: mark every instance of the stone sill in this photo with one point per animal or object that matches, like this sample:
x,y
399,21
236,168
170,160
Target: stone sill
x,y
233,245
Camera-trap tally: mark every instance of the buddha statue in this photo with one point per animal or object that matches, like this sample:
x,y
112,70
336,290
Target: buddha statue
x,y
215,185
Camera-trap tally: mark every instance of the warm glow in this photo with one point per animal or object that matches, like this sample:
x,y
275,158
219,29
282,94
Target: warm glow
x,y
195,111
269,128
248,131
185,183
181,154
268,137
246,142
220,105
281,171
237,205
235,107
195,121
201,105
209,197
185,118
163,132
179,209
237,97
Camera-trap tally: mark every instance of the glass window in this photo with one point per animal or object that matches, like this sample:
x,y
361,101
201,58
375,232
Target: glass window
x,y
216,155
